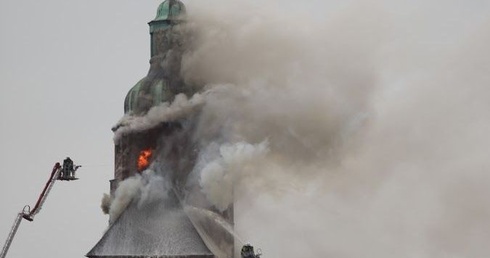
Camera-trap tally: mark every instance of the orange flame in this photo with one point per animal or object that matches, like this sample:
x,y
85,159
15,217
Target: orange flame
x,y
144,159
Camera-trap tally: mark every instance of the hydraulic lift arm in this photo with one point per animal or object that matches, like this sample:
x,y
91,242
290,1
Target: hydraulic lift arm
x,y
28,214
11,235
44,194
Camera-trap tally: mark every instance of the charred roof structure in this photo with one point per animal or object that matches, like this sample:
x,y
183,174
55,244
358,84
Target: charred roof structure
x,y
161,227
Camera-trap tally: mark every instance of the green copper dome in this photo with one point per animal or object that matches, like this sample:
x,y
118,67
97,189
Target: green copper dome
x,y
170,10
163,81
145,94
169,13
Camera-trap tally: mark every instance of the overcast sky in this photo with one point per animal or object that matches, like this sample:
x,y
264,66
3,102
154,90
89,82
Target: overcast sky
x,y
65,68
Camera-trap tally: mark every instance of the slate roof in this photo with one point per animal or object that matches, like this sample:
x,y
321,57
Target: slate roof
x,y
159,229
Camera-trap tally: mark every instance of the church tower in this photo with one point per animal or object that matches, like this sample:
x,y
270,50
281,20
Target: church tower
x,y
162,83
162,228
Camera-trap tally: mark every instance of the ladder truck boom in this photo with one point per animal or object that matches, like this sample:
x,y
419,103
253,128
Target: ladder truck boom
x,y
29,214
44,194
17,221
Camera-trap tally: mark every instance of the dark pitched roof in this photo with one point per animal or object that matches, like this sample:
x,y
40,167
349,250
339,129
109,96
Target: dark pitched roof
x,y
157,229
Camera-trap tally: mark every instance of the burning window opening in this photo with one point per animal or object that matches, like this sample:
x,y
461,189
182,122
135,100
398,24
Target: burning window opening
x,y
144,159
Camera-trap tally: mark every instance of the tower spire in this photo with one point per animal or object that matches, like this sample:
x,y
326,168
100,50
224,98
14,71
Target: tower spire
x,y
169,13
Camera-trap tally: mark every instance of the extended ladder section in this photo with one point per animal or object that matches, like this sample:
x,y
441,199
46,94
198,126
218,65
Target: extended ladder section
x,y
42,198
11,234
28,214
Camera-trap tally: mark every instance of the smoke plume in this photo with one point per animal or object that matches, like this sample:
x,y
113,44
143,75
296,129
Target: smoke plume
x,y
126,191
376,118
338,130
145,188
220,166
165,112
105,204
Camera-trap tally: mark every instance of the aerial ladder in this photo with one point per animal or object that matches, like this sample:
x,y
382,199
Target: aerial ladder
x,y
58,173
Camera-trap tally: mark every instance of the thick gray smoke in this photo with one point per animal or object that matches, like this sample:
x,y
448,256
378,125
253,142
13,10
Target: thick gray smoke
x,y
144,188
180,107
375,117
125,193
220,166
339,130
